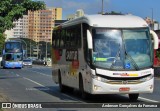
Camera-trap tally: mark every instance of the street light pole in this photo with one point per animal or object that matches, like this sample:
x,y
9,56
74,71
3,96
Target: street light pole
x,y
152,20
37,50
102,8
26,46
46,50
30,49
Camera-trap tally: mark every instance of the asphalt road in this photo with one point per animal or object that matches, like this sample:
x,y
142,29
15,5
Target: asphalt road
x,y
36,85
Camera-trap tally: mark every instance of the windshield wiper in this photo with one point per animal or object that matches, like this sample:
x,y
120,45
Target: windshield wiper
x,y
117,55
132,61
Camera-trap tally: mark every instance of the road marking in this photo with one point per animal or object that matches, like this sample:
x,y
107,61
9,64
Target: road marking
x,y
144,99
49,88
148,100
34,81
17,75
40,73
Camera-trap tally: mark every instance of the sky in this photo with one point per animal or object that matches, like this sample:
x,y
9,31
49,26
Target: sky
x,y
142,8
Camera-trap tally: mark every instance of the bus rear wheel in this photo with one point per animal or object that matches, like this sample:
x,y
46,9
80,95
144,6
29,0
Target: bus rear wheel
x,y
133,97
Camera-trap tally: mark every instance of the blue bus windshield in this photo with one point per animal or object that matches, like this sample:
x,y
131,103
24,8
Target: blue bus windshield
x,y
13,47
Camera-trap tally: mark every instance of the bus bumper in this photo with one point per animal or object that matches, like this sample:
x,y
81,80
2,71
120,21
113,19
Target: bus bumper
x,y
13,65
99,87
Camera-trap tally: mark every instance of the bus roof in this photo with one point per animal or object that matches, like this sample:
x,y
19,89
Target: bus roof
x,y
110,21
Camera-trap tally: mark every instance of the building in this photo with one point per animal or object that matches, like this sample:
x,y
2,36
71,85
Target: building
x,y
21,27
41,23
78,13
71,16
58,22
154,25
25,26
57,13
20,30
9,34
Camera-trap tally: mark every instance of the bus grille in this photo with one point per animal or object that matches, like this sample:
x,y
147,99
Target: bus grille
x,y
124,82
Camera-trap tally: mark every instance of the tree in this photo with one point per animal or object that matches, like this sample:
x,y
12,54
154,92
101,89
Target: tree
x,y
2,39
12,10
30,43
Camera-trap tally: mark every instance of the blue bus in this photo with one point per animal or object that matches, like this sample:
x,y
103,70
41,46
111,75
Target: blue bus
x,y
12,54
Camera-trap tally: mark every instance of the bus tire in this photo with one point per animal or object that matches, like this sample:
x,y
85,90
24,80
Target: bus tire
x,y
133,97
84,95
61,86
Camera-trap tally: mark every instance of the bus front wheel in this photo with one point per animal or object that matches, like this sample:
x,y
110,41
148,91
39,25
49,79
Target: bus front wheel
x,y
133,97
84,95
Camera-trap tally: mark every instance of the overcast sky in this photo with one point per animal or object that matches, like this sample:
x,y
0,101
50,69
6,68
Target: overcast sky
x,y
142,8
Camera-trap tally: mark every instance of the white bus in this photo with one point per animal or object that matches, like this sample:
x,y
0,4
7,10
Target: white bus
x,y
104,54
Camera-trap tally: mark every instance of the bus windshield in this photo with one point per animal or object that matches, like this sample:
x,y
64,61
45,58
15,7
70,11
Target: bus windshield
x,y
13,47
122,49
13,57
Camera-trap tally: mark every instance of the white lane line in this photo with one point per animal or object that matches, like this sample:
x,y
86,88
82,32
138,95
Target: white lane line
x,y
148,100
17,75
33,81
40,73
49,89
144,99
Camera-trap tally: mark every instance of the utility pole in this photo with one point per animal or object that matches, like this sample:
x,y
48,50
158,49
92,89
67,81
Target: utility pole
x,y
37,49
46,51
152,20
30,49
25,45
102,7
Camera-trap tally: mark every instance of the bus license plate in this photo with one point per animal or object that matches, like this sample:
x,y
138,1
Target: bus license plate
x,y
124,89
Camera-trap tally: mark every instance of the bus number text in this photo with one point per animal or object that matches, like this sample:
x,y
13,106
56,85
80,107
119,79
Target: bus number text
x,y
71,55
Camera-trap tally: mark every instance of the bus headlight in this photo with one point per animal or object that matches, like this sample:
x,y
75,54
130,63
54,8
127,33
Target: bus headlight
x,y
6,62
147,78
100,78
96,77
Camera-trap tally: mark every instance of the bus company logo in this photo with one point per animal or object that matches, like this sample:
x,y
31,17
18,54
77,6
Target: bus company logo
x,y
124,82
126,74
121,74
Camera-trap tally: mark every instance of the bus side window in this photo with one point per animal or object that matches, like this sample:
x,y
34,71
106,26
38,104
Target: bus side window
x,y
54,39
67,42
85,46
78,36
58,39
72,38
62,39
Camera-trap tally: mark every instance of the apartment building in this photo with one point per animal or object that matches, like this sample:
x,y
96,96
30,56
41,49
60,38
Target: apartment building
x,y
20,30
21,27
78,13
41,23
